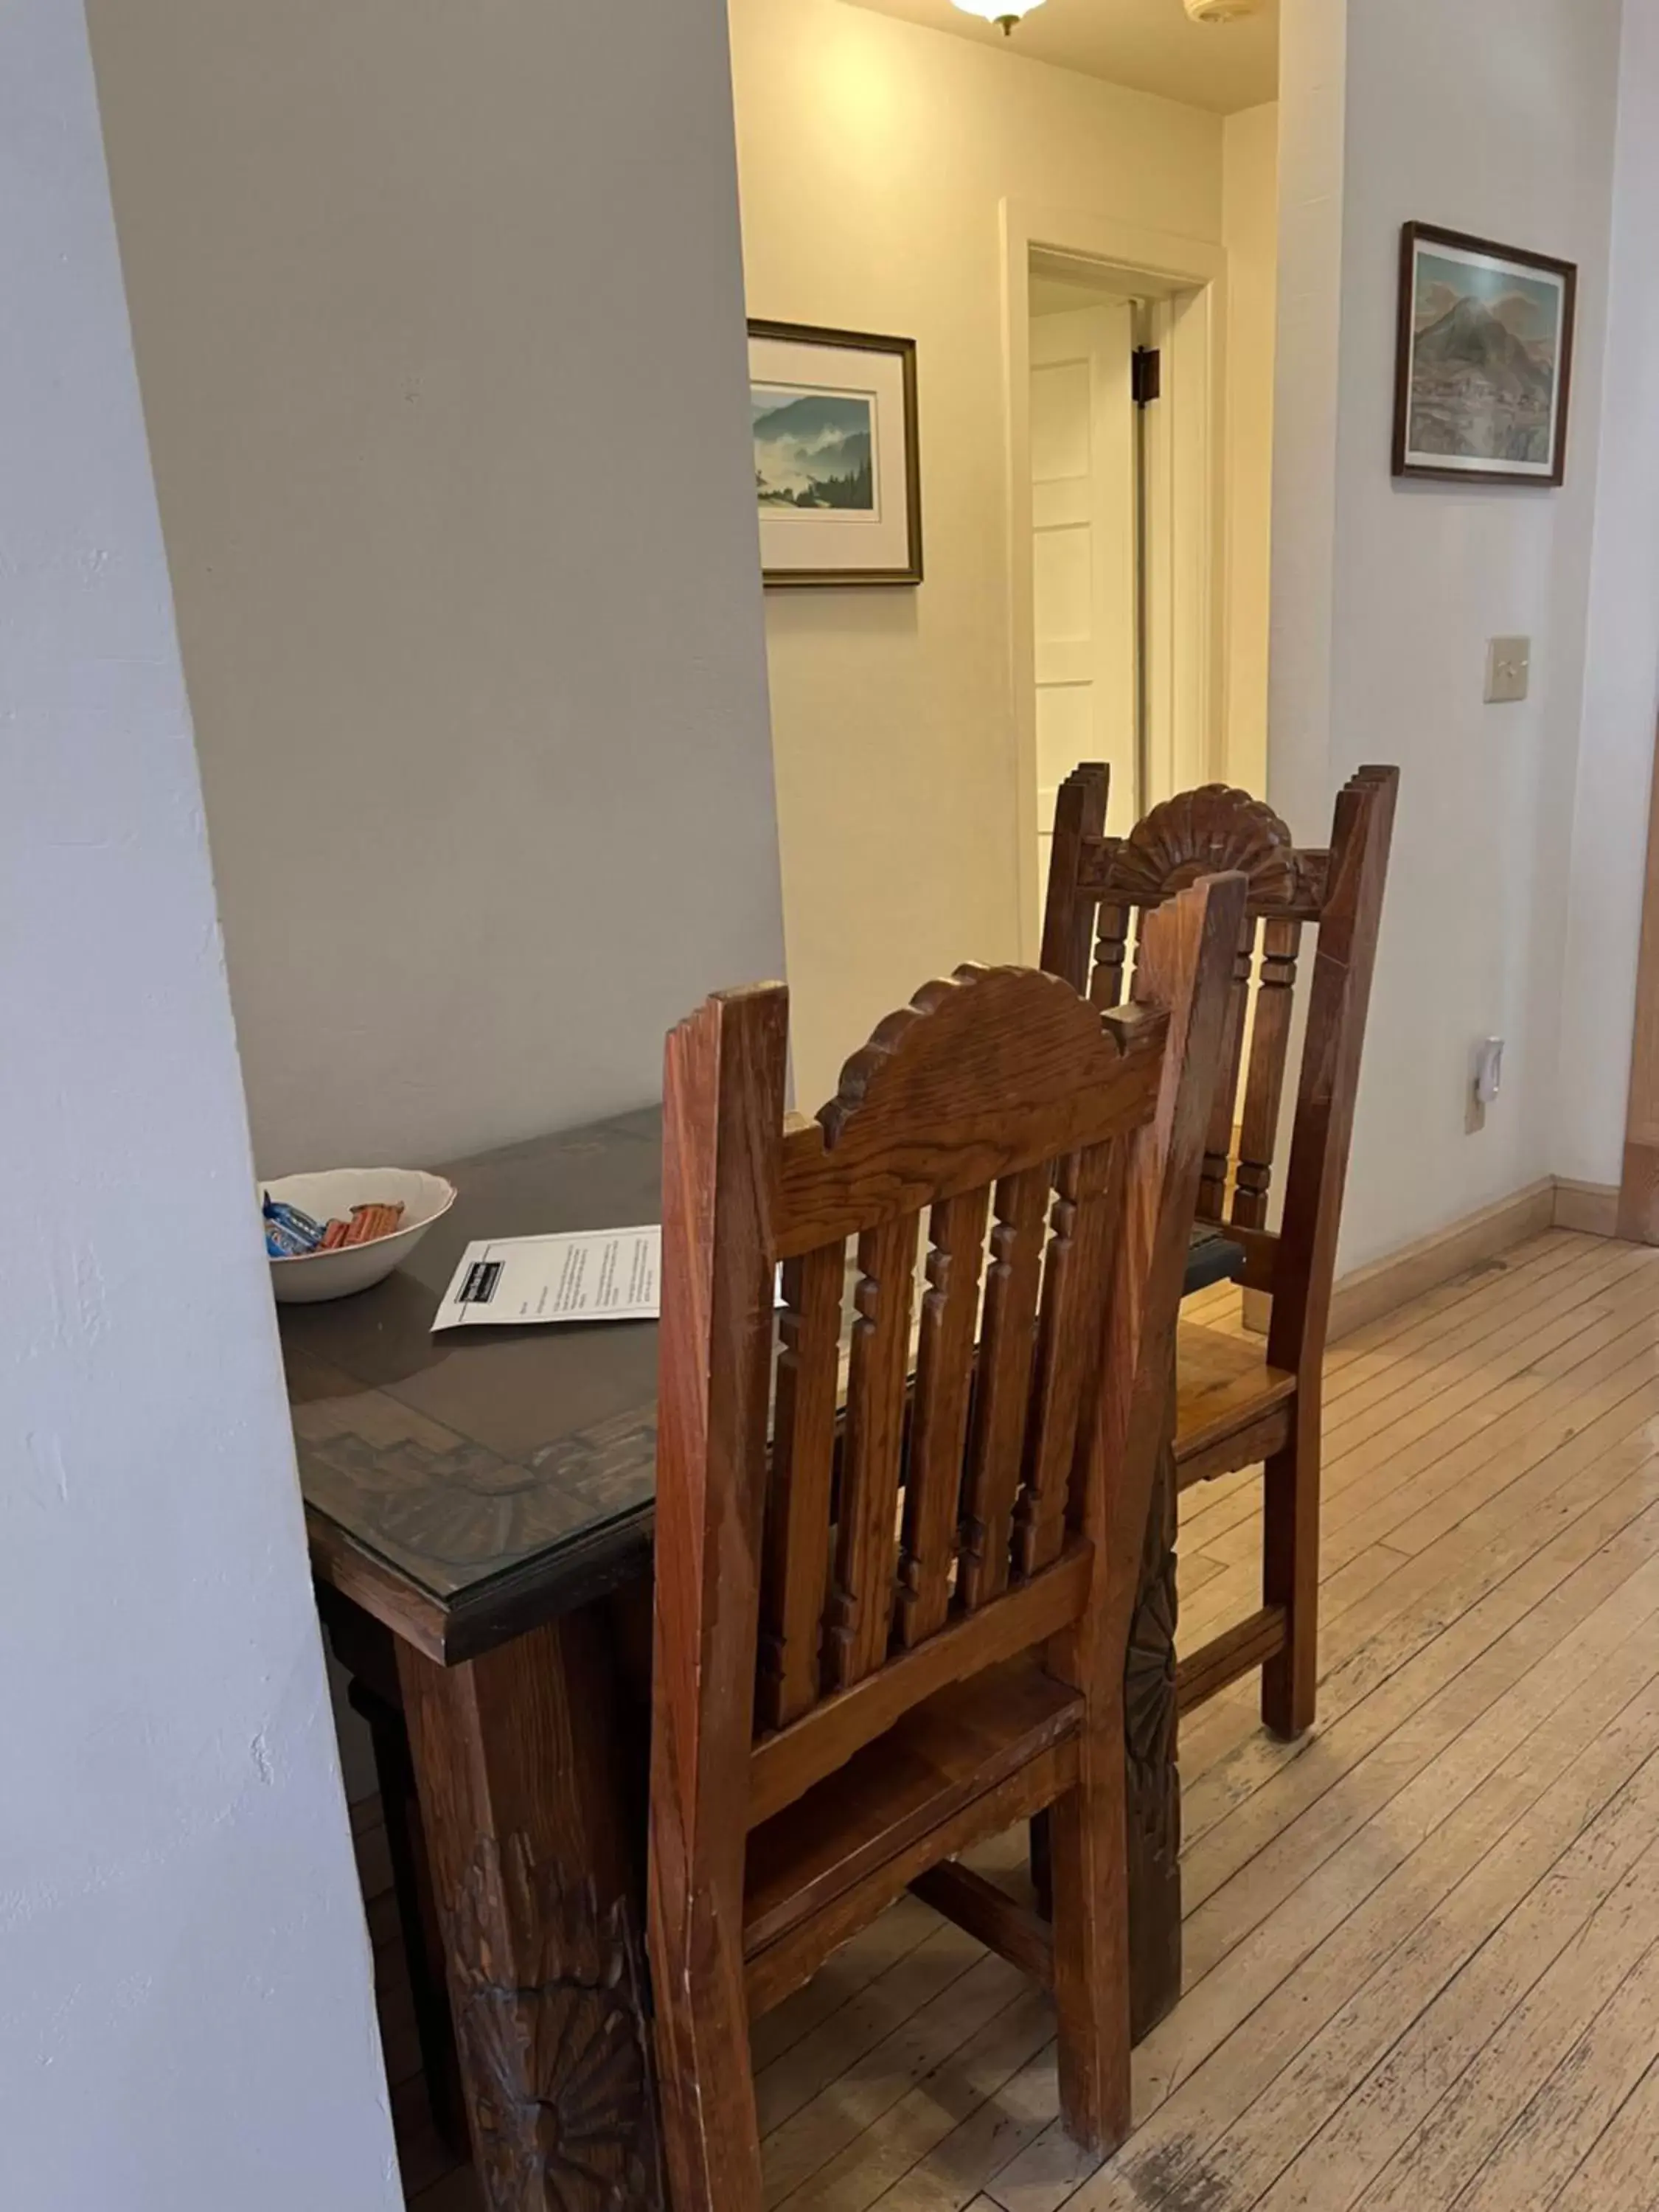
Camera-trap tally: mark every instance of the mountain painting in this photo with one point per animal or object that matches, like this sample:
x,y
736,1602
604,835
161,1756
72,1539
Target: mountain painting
x,y
1485,355
837,487
814,450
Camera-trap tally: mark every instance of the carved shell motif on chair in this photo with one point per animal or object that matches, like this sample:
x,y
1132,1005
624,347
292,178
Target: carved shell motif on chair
x,y
1046,1023
1206,832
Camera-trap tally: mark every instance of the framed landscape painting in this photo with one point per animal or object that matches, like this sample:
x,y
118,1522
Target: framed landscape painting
x,y
836,477
1485,366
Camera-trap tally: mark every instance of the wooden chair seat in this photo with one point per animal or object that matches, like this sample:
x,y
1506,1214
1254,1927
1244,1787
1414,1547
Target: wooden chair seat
x,y
968,1763
1232,1407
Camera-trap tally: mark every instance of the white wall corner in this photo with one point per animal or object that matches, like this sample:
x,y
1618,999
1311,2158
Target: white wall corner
x,y
1621,661
1312,135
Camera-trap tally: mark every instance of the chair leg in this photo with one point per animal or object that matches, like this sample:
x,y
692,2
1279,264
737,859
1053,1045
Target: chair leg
x,y
1289,1683
1092,1953
1041,1863
710,2125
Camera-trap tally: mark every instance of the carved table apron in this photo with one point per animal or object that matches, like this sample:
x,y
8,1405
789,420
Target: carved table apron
x,y
479,1508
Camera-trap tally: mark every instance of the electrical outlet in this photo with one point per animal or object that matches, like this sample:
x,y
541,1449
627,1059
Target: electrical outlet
x,y
1508,671
1485,1081
1489,1070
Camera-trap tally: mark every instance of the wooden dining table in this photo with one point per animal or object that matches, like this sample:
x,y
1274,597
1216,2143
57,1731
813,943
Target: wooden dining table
x,y
480,1506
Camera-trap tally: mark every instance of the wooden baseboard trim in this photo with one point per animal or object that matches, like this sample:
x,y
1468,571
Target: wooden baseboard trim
x,y
1553,1202
1370,1292
1592,1208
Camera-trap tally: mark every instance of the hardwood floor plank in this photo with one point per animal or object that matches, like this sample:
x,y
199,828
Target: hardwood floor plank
x,y
1234,1593
1294,1972
1376,2116
1412,1330
1446,1628
1485,1344
1241,2119
1385,1700
872,2165
983,2143
1619,2174
1520,2120
1598,1278
1354,1836
848,2038
1413,1430
1354,1452
820,2129
844,1975
1048,2173
1433,1485
1195,1570
1420,1319
1444,1686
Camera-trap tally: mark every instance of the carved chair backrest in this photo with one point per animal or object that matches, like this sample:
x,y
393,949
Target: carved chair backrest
x,y
1098,888
814,1532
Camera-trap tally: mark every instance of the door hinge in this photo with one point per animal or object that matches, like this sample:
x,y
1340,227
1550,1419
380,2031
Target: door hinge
x,y
1147,383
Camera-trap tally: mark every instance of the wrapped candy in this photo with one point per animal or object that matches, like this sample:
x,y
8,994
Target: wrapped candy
x,y
289,1233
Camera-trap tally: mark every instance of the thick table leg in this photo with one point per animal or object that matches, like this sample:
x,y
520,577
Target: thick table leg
x,y
522,1800
417,1915
1154,1778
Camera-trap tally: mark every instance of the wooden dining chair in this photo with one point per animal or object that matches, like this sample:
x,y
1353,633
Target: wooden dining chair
x,y
1240,1402
891,1608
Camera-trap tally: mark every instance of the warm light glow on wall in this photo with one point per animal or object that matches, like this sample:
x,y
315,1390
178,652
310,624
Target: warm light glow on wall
x,y
1006,12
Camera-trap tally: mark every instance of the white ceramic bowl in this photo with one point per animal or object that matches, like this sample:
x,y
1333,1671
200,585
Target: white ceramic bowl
x,y
310,1277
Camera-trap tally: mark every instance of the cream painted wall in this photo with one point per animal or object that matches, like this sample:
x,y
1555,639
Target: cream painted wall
x,y
873,157
1500,118
439,327
1250,233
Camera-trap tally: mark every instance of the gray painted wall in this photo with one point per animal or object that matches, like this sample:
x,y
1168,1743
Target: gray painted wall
x,y
185,2017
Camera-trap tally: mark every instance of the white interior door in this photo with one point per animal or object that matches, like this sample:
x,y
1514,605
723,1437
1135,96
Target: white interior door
x,y
1084,558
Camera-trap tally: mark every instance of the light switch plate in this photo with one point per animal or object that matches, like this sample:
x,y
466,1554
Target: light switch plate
x,y
1508,671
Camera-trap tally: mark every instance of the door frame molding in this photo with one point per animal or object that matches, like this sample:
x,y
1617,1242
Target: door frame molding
x,y
1113,655
1638,1189
1185,279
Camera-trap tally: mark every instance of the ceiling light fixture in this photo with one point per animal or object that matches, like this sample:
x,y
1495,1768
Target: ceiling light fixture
x,y
1218,11
1007,13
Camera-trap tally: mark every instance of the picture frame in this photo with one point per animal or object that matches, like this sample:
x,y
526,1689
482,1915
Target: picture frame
x,y
1483,377
837,466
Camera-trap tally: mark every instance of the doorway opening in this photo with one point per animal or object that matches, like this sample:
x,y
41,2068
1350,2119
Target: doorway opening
x,y
1091,353
1114,384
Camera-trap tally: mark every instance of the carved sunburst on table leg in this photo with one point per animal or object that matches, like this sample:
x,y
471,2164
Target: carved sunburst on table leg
x,y
1154,1777
562,2112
